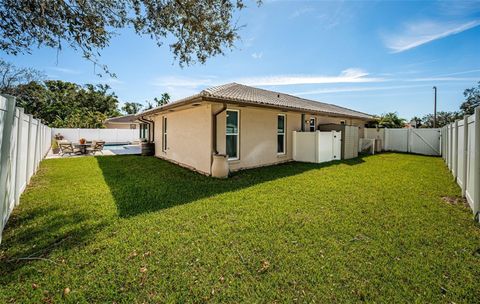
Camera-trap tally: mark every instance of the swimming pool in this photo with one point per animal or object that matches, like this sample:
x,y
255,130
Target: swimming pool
x,y
123,149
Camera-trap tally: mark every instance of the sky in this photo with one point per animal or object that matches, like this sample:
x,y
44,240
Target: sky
x,y
371,56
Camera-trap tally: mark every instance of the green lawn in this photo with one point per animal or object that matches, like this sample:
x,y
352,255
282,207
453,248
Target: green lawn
x,y
139,229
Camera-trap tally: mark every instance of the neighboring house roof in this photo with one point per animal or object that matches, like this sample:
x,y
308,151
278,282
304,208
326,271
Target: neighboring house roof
x,y
243,94
132,118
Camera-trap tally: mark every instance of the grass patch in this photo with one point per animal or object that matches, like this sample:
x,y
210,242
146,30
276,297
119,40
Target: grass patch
x,y
138,229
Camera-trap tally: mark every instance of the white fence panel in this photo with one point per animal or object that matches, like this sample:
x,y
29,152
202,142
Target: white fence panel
x,y
24,141
461,152
107,135
396,140
472,187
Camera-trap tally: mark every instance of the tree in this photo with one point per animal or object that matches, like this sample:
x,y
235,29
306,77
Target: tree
x,y
390,120
61,104
149,105
443,119
163,100
132,107
81,119
197,29
472,101
416,122
12,76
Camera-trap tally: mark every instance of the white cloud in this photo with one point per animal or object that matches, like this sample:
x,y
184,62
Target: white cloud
x,y
65,70
351,75
419,33
462,72
257,55
356,89
301,11
180,81
444,79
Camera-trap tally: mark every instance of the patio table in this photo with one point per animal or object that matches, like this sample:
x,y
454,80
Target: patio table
x,y
83,147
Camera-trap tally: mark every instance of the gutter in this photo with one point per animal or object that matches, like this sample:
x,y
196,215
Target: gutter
x,y
214,127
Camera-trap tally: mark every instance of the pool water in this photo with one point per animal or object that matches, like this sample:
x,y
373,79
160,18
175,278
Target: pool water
x,y
117,147
123,149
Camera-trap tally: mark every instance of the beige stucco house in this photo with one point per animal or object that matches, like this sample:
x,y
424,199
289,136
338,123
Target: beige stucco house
x,y
252,126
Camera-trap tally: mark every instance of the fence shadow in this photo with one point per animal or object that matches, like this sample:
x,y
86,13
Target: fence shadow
x,y
58,231
147,184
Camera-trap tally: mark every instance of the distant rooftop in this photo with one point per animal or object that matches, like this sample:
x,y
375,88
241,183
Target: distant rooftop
x,y
131,118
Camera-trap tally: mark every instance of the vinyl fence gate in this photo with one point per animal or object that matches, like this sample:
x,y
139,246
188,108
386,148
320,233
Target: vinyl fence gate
x,y
418,141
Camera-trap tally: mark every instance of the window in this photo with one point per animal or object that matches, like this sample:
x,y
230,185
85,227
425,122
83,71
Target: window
x,y
312,124
143,131
281,134
133,126
232,134
164,134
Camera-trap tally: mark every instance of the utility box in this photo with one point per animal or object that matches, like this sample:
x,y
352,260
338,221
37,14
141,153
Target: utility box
x,y
349,147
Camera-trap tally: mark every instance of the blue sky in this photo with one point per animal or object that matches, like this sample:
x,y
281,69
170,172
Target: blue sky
x,y
372,56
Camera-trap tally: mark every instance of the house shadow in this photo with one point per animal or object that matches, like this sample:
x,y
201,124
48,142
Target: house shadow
x,y
142,184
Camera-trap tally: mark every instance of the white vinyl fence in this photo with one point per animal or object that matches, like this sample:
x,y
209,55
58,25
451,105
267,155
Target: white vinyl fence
x,y
419,141
317,147
110,136
461,152
24,142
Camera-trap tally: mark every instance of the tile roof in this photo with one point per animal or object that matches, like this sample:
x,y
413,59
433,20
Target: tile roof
x,y
254,96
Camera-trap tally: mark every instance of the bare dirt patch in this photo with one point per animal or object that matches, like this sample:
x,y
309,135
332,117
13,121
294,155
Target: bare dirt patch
x,y
456,200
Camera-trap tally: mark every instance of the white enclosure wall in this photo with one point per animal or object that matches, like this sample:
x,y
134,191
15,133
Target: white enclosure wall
x,y
378,134
317,147
107,135
351,142
24,142
461,152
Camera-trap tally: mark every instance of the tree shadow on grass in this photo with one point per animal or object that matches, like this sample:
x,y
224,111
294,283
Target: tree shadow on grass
x,y
147,184
39,231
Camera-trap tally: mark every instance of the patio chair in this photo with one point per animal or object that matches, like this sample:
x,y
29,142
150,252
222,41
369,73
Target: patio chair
x,y
68,148
97,146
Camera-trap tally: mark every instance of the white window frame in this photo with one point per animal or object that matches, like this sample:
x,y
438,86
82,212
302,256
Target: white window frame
x,y
234,134
284,134
314,124
164,133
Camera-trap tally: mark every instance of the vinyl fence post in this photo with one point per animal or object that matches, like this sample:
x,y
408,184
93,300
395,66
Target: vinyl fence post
x,y
8,121
465,155
19,153
476,169
29,148
455,146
